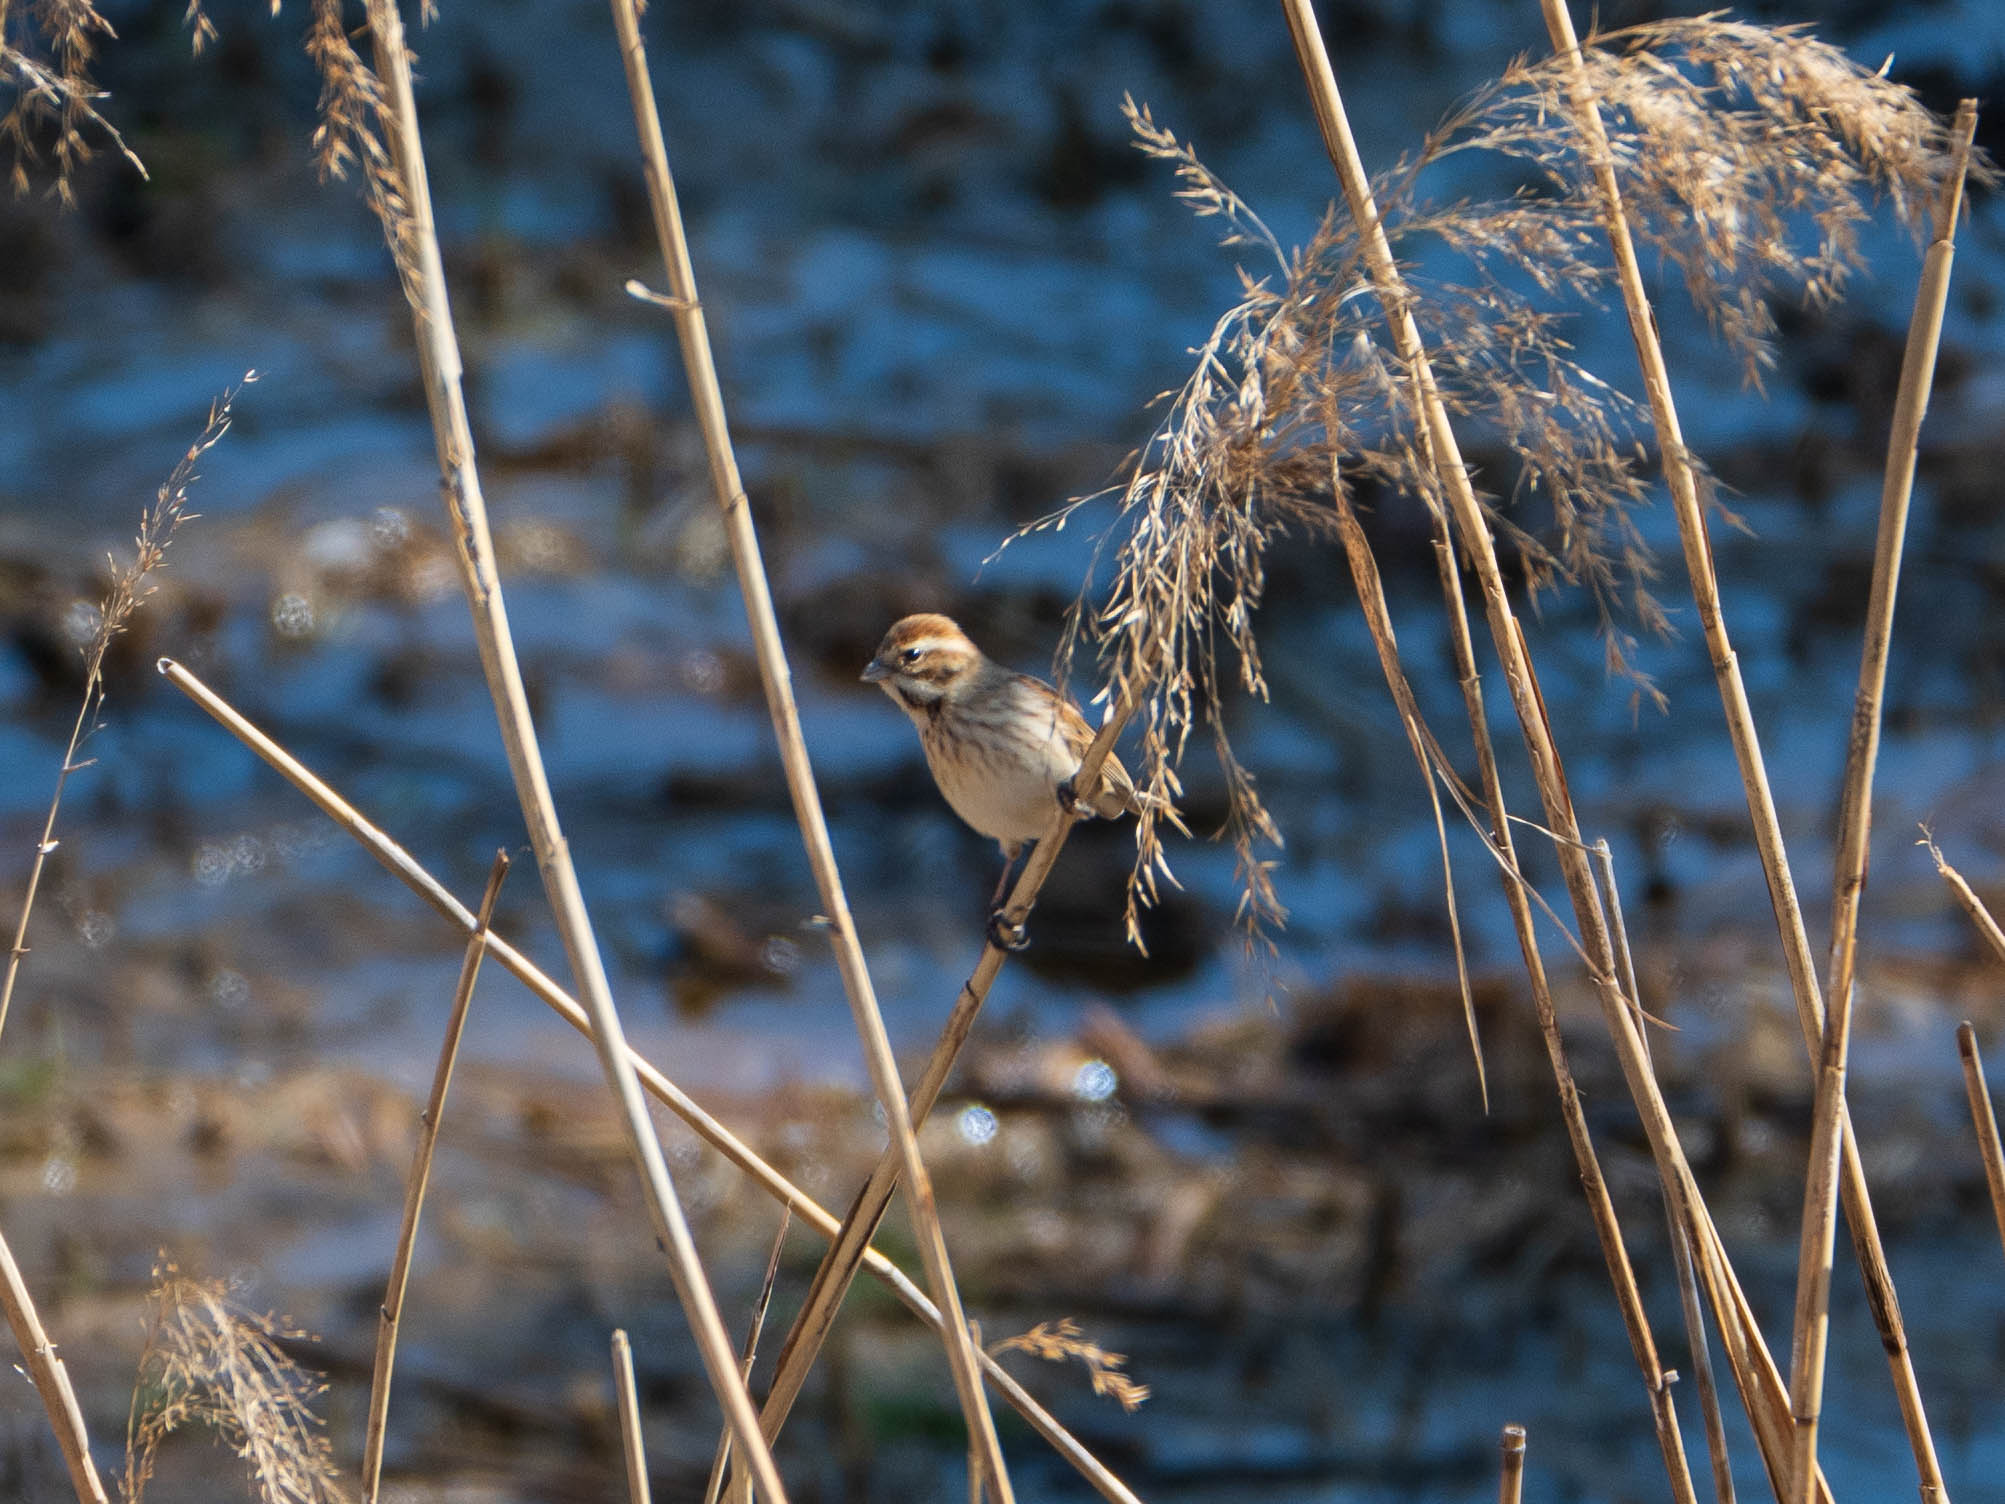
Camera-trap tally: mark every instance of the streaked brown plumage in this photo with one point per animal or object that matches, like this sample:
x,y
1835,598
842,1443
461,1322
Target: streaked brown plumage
x,y
1000,744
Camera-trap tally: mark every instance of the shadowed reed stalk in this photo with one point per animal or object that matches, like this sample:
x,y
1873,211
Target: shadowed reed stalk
x,y
1511,1476
391,1312
776,678
405,210
749,1353
1820,1211
129,589
1434,764
1984,1121
1827,1035
400,863
628,1397
51,1379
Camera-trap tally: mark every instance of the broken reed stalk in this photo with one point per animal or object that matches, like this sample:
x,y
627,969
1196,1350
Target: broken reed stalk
x,y
1838,1146
1608,1230
408,870
1984,1120
391,1312
839,1266
628,1398
774,674
415,246
748,1354
1511,1477
51,1380
1473,532
1820,1211
1966,898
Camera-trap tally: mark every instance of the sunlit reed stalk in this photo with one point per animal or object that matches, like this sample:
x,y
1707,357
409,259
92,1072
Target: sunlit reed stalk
x,y
402,865
46,1371
749,1354
838,1268
776,677
129,590
391,1313
413,240
1984,1120
628,1399
1820,1210
1511,1476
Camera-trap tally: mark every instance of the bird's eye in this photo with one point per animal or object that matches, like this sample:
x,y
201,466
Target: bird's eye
x,y
910,655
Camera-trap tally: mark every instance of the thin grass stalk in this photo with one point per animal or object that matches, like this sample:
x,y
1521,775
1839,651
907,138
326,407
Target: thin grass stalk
x,y
749,1353
1473,531
1967,899
1511,1476
45,846
631,1447
1608,1230
839,1265
775,675
1837,1144
391,1312
417,252
51,1380
1984,1121
1681,1240
1820,1211
408,870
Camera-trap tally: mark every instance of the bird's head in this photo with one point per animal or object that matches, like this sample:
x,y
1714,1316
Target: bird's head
x,y
921,660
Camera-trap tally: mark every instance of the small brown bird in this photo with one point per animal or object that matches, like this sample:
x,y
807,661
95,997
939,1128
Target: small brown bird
x,y
1003,747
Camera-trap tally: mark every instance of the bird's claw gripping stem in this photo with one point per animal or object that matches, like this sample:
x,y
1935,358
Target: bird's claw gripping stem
x,y
1006,933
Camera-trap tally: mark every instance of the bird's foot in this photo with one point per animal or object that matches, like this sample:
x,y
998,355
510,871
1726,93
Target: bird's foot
x,y
1068,799
1006,933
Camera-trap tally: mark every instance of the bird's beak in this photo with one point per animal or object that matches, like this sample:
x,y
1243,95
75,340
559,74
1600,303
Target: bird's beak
x,y
876,671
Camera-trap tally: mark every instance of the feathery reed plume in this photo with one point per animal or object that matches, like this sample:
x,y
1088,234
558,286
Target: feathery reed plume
x,y
130,586
209,1361
1063,1341
46,50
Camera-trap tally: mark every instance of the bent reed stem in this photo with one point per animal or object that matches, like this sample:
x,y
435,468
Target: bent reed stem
x,y
408,870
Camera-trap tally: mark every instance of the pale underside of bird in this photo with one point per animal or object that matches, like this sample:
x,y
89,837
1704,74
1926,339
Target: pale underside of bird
x,y
1003,747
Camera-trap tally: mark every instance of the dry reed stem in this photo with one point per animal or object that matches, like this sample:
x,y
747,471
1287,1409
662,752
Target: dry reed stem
x,y
631,1449
129,590
414,244
391,1312
1511,1476
776,677
1820,1212
1378,622
1520,677
838,1268
51,1379
1681,1238
402,865
1682,479
1984,1120
749,1353
1966,897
